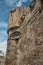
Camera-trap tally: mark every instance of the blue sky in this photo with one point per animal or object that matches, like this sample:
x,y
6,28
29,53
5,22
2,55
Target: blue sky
x,y
5,6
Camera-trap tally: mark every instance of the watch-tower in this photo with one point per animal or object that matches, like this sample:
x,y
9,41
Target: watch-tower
x,y
15,21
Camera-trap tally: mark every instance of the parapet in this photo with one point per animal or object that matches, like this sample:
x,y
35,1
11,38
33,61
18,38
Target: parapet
x,y
17,16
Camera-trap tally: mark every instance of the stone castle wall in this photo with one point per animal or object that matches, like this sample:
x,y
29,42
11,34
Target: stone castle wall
x,y
28,49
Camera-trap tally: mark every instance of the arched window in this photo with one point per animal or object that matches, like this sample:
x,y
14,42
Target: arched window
x,y
15,35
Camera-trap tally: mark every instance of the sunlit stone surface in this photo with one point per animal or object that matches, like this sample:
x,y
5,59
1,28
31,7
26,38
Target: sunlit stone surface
x,y
28,49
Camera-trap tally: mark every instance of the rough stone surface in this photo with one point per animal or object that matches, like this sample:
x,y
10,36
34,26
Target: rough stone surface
x,y
28,50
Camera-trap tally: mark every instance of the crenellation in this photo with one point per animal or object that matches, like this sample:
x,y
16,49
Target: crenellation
x,y
25,32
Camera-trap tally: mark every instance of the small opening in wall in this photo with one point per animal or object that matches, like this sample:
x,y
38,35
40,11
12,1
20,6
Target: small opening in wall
x,y
16,40
10,29
12,19
11,13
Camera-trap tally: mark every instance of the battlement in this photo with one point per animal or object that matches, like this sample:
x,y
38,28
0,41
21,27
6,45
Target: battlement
x,y
25,35
17,16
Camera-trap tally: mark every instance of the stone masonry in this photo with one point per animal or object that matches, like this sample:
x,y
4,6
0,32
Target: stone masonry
x,y
25,35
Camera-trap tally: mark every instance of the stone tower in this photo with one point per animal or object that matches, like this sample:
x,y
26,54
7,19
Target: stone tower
x,y
25,35
15,20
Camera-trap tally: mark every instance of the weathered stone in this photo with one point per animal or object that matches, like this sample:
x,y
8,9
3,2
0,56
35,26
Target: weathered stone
x,y
28,50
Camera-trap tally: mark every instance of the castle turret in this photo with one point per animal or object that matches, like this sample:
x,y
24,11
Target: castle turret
x,y
15,21
25,35
15,17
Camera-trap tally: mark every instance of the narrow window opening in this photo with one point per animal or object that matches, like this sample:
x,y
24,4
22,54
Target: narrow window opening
x,y
16,40
12,19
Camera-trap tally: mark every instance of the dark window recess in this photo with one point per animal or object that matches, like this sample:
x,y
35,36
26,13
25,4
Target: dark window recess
x,y
11,30
11,13
12,19
15,35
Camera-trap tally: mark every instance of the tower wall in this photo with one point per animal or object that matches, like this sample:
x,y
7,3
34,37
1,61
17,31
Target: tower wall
x,y
26,48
